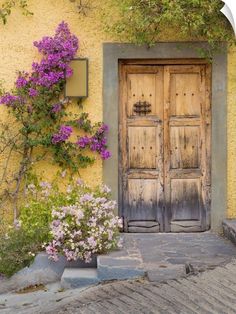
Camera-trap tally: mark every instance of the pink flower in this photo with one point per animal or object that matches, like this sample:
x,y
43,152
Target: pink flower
x,y
52,252
86,198
87,257
70,255
110,235
105,189
92,242
80,182
56,223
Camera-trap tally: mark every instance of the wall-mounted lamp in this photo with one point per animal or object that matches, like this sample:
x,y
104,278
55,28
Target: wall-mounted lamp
x,y
77,84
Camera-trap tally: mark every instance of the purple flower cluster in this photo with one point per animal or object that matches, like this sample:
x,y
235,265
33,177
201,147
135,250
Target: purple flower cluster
x,y
97,142
33,92
83,141
56,108
63,134
9,100
57,52
22,80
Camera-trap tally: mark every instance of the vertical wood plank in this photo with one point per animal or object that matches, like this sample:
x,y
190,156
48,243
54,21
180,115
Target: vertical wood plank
x,y
141,145
187,147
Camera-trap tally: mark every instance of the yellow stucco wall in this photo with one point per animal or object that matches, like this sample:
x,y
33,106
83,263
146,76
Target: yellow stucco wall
x,y
17,53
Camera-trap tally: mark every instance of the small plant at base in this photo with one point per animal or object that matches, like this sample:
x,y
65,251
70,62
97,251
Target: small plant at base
x,y
18,248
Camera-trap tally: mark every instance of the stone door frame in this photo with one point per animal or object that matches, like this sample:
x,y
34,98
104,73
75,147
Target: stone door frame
x,y
112,53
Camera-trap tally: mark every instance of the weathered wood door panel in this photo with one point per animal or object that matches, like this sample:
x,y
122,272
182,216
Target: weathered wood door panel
x,y
165,147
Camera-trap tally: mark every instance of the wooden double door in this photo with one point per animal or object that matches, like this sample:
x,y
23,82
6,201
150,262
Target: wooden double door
x,y
165,147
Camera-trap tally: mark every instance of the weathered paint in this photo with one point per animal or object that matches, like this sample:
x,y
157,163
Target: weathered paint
x,y
17,53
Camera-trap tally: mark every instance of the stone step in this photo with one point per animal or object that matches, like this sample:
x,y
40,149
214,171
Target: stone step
x,y
108,268
229,229
119,268
79,277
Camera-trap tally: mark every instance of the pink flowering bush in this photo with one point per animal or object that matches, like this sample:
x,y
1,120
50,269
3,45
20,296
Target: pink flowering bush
x,y
76,222
85,226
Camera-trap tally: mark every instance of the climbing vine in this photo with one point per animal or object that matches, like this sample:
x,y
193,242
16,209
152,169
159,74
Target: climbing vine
x,y
8,5
41,123
144,21
6,8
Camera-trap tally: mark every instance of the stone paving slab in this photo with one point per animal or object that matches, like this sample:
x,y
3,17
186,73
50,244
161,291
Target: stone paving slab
x,y
165,256
118,268
79,277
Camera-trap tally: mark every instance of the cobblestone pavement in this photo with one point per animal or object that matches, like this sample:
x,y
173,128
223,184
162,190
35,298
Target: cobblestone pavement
x,y
213,291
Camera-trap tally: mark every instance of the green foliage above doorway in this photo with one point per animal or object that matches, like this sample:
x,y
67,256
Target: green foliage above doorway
x,y
145,21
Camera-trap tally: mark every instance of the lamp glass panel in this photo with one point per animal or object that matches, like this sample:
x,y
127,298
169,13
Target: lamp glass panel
x,y
77,84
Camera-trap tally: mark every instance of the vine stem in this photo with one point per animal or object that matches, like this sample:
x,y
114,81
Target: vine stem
x,y
26,161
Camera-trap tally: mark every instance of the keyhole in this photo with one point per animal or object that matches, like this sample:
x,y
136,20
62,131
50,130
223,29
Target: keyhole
x,y
134,147
151,147
142,147
184,94
134,95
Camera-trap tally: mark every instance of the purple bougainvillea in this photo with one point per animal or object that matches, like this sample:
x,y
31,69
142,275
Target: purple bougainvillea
x,y
37,103
63,134
56,108
83,141
33,92
9,100
97,142
57,52
22,80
